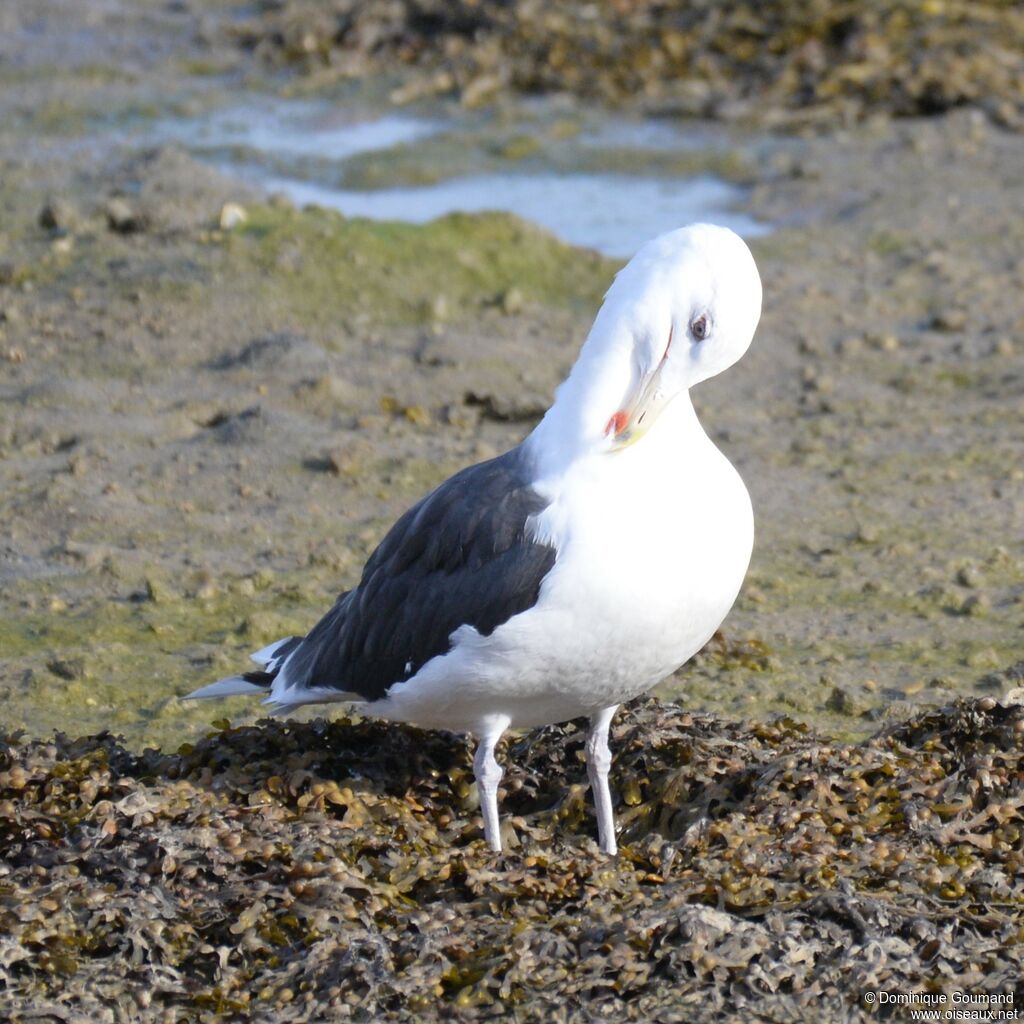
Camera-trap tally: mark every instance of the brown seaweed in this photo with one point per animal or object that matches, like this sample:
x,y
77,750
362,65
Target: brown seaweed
x,y
336,871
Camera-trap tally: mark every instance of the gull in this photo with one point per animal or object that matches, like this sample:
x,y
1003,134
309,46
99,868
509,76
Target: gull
x,y
574,572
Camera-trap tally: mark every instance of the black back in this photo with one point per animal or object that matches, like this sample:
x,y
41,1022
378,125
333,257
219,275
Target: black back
x,y
460,556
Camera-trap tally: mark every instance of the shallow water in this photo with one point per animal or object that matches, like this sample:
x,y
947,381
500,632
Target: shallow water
x,y
300,148
611,213
298,128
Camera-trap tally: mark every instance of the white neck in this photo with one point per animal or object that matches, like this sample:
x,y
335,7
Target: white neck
x,y
574,428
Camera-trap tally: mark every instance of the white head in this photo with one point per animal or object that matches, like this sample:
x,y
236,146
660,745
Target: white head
x,y
683,309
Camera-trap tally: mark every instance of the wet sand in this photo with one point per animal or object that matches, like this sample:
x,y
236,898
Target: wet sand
x,y
205,431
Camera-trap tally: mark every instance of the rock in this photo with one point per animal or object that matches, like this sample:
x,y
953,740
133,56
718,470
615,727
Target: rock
x,y
841,701
437,308
92,556
523,407
949,321
810,346
1008,677
231,216
976,605
67,668
58,215
122,218
417,415
159,590
511,302
480,90
272,354
970,576
247,427
883,342
438,351
868,533
329,388
348,460
984,657
206,589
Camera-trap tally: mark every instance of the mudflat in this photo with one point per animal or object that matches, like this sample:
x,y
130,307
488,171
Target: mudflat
x,y
215,402
206,429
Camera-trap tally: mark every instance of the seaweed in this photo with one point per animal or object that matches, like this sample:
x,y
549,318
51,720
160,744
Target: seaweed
x,y
297,871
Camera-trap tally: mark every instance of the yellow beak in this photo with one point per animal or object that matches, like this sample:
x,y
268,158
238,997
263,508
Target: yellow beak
x,y
631,422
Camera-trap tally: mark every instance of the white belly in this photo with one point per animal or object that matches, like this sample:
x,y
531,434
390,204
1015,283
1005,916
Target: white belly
x,y
653,546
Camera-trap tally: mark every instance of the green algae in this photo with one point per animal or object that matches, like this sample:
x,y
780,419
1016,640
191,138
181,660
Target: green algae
x,y
393,272
536,148
121,662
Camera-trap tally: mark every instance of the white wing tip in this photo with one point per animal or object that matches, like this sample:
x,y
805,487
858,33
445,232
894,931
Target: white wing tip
x,y
233,686
266,654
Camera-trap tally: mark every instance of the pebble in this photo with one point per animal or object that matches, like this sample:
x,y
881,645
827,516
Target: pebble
x,y
58,215
331,387
976,605
970,576
231,216
92,556
67,668
950,321
438,308
984,657
158,590
511,302
121,217
883,342
868,533
842,701
810,346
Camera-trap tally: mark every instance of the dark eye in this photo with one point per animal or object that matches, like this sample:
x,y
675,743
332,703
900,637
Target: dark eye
x,y
700,328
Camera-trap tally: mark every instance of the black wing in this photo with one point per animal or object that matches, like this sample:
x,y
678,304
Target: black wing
x,y
461,555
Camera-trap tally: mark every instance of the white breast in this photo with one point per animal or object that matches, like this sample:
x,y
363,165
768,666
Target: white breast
x,y
653,544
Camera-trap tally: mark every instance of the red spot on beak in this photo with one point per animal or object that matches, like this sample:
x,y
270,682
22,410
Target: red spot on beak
x,y
617,424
